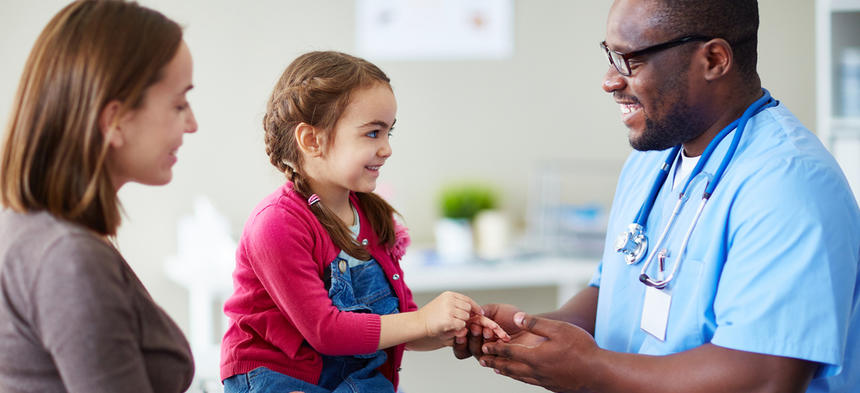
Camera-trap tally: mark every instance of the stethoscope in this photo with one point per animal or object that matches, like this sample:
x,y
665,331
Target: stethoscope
x,y
633,243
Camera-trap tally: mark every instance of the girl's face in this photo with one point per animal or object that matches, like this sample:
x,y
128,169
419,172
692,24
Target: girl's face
x,y
361,141
143,147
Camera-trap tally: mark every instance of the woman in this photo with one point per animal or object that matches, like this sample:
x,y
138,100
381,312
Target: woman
x,y
101,103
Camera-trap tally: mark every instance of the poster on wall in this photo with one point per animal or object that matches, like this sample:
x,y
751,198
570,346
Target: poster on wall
x,y
434,29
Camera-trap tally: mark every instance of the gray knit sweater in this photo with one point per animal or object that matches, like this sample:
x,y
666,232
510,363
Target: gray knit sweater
x,y
75,318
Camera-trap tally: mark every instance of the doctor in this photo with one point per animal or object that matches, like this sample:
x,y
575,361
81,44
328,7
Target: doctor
x,y
753,285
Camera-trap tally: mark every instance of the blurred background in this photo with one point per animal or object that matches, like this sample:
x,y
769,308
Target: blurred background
x,y
527,122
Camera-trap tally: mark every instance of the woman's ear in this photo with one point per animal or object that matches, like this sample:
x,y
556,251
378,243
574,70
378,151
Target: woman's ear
x,y
309,139
109,123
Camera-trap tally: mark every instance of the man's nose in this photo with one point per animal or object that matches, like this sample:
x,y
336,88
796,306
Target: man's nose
x,y
613,81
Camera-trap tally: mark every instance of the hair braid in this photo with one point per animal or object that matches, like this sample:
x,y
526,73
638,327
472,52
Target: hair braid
x,y
338,231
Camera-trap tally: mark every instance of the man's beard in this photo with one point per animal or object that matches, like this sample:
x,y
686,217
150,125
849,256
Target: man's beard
x,y
680,124
677,127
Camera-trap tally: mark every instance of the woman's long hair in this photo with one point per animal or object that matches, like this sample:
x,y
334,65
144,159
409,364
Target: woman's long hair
x,y
89,54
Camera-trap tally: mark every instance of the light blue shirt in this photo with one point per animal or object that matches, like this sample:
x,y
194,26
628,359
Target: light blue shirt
x,y
771,267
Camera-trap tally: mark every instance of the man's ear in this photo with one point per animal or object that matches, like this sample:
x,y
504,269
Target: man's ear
x,y
109,123
309,139
718,58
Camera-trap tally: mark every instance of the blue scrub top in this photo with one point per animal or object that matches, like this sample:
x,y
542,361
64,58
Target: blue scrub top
x,y
771,267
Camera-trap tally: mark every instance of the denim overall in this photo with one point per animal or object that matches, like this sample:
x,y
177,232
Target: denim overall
x,y
360,288
355,286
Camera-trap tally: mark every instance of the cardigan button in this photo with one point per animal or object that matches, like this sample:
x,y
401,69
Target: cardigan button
x,y
364,242
395,277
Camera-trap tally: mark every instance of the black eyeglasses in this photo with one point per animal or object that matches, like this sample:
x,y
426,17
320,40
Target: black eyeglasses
x,y
620,60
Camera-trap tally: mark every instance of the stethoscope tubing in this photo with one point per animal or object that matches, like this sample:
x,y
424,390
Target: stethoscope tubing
x,y
662,174
738,126
661,283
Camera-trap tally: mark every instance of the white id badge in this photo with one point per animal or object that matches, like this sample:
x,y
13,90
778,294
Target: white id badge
x,y
655,312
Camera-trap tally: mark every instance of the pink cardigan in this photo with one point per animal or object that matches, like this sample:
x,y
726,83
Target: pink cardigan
x,y
280,314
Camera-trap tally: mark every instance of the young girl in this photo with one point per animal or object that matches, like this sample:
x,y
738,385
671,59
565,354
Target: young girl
x,y
320,304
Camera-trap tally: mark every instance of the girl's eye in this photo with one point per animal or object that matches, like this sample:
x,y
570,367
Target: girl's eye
x,y
373,134
182,107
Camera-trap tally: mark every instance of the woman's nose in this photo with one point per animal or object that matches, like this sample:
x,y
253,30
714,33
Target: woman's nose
x,y
191,121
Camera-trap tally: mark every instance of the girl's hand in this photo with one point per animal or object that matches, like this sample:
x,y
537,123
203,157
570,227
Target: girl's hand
x,y
447,339
448,313
502,314
481,325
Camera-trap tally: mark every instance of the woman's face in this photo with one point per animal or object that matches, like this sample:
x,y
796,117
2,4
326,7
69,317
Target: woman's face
x,y
144,144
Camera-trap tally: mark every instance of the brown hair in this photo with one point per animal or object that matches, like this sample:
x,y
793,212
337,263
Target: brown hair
x,y
315,89
89,54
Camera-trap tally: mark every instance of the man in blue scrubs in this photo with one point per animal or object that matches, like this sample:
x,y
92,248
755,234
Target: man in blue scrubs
x,y
766,295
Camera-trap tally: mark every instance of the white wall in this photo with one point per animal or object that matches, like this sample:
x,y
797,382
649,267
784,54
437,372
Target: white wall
x,y
490,120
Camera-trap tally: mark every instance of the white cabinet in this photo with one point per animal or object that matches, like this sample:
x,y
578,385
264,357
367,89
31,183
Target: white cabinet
x,y
838,83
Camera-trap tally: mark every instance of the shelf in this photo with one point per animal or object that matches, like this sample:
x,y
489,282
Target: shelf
x,y
845,5
845,126
837,28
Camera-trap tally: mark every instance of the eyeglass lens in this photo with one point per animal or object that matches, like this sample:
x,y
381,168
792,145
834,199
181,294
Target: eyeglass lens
x,y
620,63
616,60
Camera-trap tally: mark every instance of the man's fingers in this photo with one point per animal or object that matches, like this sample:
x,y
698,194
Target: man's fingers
x,y
537,325
474,344
511,351
510,368
461,350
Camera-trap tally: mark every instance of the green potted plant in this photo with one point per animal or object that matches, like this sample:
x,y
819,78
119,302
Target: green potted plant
x,y
459,204
465,201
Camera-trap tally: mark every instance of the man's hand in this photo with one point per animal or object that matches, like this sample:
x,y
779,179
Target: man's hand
x,y
470,345
525,338
544,352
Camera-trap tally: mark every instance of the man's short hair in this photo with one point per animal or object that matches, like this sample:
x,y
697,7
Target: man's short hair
x,y
736,21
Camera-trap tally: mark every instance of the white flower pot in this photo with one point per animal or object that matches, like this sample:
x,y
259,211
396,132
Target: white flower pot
x,y
454,241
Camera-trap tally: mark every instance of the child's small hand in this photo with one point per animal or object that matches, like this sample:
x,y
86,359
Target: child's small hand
x,y
481,325
448,313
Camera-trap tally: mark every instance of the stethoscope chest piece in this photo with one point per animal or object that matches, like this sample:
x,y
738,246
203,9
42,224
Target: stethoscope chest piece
x,y
632,243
